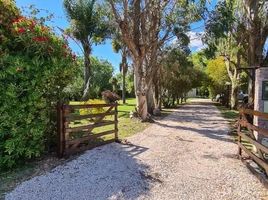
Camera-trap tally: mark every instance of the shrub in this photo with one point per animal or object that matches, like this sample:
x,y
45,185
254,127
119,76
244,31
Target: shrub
x,y
87,111
35,65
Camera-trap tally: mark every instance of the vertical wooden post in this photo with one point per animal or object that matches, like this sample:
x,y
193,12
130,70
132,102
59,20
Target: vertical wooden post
x,y
239,137
116,122
60,129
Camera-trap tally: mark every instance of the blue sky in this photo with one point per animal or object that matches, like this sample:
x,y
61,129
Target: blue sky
x,y
103,51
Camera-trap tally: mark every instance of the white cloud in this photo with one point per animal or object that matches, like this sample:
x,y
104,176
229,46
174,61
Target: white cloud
x,y
195,40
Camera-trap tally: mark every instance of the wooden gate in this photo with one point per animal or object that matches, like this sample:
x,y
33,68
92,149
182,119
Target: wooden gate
x,y
246,135
76,125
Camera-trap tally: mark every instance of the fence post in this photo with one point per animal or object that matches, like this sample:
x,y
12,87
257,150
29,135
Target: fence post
x,y
239,137
60,129
116,122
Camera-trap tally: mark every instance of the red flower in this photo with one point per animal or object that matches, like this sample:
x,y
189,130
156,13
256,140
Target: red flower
x,y
40,39
20,19
74,57
21,30
32,25
64,46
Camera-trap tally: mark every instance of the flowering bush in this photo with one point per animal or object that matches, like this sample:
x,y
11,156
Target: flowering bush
x,y
36,65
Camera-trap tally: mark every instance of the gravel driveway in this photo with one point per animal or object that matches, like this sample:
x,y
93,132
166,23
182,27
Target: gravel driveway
x,y
188,156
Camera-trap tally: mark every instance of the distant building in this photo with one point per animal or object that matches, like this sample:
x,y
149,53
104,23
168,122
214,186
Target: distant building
x,y
192,93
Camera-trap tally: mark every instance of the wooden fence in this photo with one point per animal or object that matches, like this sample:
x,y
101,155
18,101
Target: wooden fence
x,y
76,125
246,135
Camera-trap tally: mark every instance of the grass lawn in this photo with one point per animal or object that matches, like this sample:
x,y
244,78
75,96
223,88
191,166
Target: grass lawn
x,y
126,127
230,115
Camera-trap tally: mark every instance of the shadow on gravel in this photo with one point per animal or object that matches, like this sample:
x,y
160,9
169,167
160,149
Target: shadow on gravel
x,y
210,133
207,118
107,172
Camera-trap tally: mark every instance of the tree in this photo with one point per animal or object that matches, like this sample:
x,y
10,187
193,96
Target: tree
x,y
255,14
246,21
88,25
178,75
102,72
224,31
145,26
218,76
119,46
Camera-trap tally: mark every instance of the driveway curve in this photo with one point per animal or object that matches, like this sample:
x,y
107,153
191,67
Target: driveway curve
x,y
186,156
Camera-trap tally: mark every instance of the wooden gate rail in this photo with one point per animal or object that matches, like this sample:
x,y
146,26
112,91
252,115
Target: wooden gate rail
x,y
249,136
67,114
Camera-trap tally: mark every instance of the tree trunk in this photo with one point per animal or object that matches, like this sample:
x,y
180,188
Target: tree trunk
x,y
140,90
124,72
124,87
87,70
150,99
234,92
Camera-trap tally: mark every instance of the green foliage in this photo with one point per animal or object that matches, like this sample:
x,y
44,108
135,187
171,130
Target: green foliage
x,y
102,72
218,76
8,13
88,20
178,76
130,90
35,67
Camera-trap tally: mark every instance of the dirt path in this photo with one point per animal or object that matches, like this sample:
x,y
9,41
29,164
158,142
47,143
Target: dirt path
x,y
186,156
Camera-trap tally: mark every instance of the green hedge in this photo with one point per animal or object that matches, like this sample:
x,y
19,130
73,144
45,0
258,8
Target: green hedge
x,y
36,65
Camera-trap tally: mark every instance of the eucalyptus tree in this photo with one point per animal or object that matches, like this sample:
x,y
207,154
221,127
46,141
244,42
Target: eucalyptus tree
x,y
224,33
255,16
88,25
145,27
245,22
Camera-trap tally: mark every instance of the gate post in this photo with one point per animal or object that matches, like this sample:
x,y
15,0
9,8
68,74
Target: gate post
x,y
239,137
116,122
60,131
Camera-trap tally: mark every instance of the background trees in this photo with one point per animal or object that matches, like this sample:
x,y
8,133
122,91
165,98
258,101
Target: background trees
x,y
218,76
145,27
101,71
237,30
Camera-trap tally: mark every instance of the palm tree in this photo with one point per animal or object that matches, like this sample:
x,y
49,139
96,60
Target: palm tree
x,y
88,25
118,46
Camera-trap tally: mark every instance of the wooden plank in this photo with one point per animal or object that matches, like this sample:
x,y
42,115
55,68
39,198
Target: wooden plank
x,y
254,157
91,136
254,142
88,106
73,117
250,126
88,127
254,112
85,147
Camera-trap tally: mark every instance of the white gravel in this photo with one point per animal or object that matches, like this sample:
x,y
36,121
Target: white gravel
x,y
186,156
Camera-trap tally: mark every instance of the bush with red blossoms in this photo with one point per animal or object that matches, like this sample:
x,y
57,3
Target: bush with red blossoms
x,y
36,65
